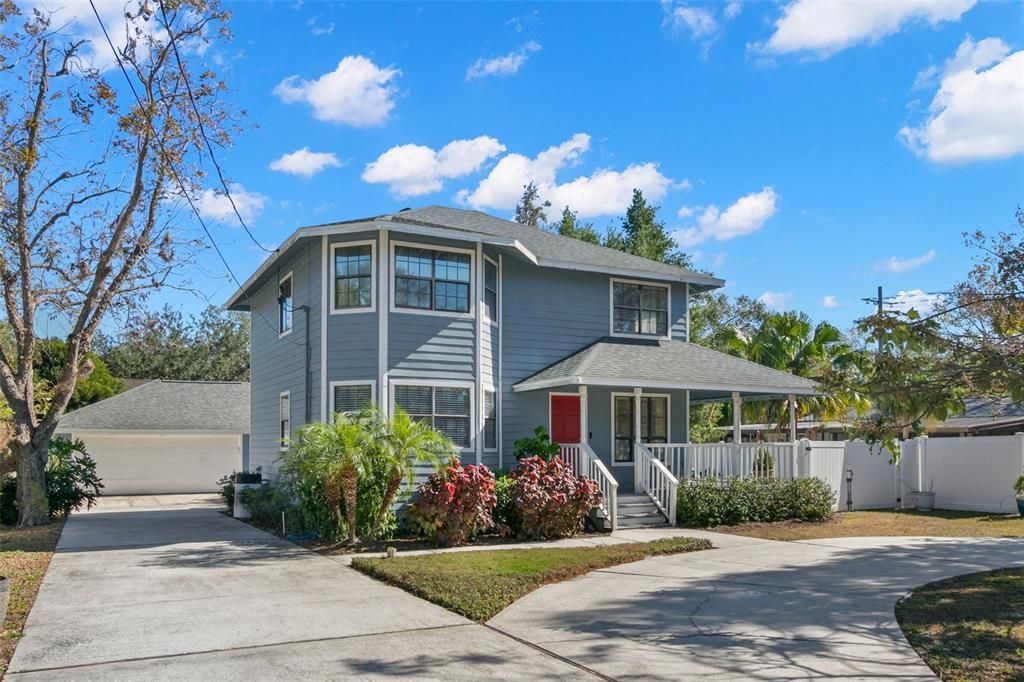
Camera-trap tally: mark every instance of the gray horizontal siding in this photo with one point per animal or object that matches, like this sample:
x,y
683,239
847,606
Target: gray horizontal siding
x,y
431,347
352,351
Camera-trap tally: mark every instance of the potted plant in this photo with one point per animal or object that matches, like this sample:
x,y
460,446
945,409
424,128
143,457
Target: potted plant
x,y
245,480
924,500
1018,488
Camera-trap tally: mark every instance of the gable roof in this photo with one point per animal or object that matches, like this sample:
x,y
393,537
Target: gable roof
x,y
612,361
163,405
543,248
983,413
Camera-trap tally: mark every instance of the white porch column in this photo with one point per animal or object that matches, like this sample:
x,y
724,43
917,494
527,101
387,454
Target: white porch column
x,y
638,470
636,414
737,418
584,416
792,418
686,414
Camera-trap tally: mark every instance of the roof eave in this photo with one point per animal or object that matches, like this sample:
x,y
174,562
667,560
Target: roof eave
x,y
583,380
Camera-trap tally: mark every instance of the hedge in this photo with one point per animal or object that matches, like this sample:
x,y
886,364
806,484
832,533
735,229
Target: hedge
x,y
710,502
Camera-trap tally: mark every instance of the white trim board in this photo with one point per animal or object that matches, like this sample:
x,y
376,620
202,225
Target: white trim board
x,y
665,385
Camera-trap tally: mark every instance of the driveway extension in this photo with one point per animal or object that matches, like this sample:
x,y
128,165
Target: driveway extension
x,y
180,593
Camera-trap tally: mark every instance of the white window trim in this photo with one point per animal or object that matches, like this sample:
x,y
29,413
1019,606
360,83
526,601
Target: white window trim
x,y
483,418
647,283
440,313
566,393
372,383
483,289
372,308
444,383
284,444
631,396
277,299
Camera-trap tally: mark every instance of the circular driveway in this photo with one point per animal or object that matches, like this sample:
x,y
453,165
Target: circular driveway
x,y
753,609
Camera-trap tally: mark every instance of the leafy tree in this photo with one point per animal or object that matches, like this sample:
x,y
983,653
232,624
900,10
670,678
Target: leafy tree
x,y
167,345
530,211
715,318
90,188
95,382
645,236
570,226
704,422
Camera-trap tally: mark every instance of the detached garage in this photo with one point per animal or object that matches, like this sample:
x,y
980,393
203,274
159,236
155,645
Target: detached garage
x,y
165,437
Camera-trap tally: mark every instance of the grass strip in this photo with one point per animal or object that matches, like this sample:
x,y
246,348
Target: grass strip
x,y
970,627
479,584
24,556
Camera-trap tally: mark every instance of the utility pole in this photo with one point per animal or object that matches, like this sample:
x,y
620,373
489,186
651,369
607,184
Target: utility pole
x,y
879,313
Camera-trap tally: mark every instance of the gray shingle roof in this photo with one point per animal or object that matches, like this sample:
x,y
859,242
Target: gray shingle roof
x,y
666,364
981,412
161,405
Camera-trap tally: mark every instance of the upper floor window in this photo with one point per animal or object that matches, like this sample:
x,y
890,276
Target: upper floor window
x,y
284,305
490,290
639,308
353,277
427,279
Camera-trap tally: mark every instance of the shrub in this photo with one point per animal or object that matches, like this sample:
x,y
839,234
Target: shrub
x,y
1018,487
709,502
549,499
506,519
454,504
268,502
537,445
226,483
71,478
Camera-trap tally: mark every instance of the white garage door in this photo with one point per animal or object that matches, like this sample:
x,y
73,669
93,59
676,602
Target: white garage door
x,y
132,464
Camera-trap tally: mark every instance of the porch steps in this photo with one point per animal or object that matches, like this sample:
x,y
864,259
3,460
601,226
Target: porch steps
x,y
637,510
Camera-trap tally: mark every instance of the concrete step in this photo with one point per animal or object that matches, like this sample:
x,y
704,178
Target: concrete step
x,y
657,521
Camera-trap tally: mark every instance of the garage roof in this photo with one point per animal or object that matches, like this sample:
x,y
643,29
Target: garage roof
x,y
162,405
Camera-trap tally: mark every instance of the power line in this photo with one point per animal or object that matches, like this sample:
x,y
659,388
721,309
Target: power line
x,y
202,131
177,177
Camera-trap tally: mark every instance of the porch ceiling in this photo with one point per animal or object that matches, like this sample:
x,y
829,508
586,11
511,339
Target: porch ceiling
x,y
653,364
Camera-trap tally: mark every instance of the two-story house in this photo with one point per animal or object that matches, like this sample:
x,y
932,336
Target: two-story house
x,y
486,328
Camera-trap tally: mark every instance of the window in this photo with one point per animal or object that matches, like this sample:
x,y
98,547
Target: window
x,y
353,277
446,409
431,280
490,421
284,305
285,414
350,398
639,309
653,423
490,290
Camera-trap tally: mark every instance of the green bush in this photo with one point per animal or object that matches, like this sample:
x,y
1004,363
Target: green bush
x,y
268,502
71,482
537,445
506,519
709,502
226,483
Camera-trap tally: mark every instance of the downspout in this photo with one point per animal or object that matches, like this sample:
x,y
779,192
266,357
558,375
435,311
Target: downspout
x,y
306,385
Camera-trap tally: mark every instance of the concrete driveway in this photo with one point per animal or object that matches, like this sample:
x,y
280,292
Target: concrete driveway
x,y
179,593
753,609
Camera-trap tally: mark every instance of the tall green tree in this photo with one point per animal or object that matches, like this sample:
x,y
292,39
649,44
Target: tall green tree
x,y
715,318
213,346
531,210
94,384
643,235
571,226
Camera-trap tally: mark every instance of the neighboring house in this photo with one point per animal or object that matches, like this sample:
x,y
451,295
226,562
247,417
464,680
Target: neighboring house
x,y
983,417
164,437
486,328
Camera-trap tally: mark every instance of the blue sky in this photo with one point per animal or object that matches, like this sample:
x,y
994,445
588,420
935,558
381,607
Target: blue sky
x,y
806,152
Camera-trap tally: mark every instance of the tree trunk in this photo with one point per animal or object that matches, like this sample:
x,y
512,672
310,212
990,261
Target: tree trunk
x,y
33,509
394,483
349,483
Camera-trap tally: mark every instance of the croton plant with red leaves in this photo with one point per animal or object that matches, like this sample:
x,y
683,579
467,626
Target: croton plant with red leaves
x,y
454,504
551,500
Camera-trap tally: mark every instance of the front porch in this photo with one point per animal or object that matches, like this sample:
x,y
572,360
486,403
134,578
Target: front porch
x,y
620,408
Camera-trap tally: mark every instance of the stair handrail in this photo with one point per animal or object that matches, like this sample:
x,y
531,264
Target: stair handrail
x,y
654,478
585,462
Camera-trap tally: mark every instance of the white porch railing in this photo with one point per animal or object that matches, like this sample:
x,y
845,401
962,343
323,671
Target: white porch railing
x,y
728,460
585,462
654,478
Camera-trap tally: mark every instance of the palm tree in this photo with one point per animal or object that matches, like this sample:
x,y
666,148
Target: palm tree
x,y
790,343
335,455
400,442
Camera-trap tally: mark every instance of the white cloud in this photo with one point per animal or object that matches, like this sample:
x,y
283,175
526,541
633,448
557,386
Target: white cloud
x,y
697,21
830,302
745,216
686,211
603,192
506,65
215,205
320,29
978,112
357,93
917,299
732,9
776,300
304,162
824,28
896,264
411,170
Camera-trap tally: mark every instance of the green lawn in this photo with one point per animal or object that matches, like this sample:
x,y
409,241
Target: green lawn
x,y
24,556
886,523
479,584
970,627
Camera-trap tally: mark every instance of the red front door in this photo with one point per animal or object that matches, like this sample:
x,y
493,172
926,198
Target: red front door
x,y
565,418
